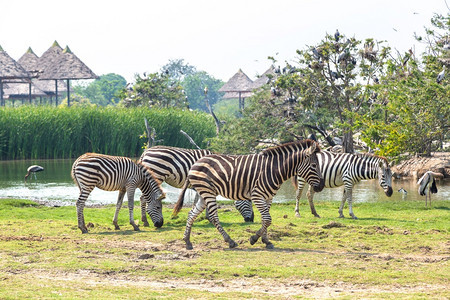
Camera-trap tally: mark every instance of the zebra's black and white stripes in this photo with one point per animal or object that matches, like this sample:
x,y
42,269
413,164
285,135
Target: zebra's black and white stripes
x,y
249,177
172,164
116,173
348,169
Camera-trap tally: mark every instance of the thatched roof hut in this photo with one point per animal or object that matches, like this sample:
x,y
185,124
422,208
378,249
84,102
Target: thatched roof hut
x,y
240,85
10,69
233,95
22,91
263,79
30,62
240,82
67,66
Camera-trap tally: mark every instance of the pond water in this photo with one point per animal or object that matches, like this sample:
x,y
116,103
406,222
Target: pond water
x,y
54,186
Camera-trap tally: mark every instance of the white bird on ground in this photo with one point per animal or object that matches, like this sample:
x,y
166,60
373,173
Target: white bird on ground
x,y
427,185
32,170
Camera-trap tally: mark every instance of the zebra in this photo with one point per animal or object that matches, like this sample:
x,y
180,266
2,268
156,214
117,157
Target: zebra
x,y
172,164
112,173
242,177
347,169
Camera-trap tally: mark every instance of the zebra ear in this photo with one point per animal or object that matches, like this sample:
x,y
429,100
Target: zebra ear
x,y
163,196
312,148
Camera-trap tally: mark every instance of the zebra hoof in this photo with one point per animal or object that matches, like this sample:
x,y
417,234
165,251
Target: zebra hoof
x,y
297,215
136,228
269,246
354,217
84,230
232,244
253,239
146,224
317,216
341,216
189,246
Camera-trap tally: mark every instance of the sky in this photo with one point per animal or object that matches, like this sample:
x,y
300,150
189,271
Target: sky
x,y
219,37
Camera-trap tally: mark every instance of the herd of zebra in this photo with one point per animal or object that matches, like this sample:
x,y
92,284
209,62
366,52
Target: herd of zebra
x,y
247,179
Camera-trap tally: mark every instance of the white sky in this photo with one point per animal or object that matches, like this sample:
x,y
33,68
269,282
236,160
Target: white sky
x,y
219,37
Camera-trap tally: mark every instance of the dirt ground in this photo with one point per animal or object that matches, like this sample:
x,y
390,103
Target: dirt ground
x,y
175,250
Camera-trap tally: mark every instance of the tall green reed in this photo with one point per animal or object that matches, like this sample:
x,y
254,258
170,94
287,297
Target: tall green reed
x,y
31,132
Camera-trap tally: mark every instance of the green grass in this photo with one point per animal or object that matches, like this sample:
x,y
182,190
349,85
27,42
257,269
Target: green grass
x,y
394,249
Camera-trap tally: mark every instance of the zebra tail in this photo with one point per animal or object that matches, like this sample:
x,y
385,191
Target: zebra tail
x,y
179,205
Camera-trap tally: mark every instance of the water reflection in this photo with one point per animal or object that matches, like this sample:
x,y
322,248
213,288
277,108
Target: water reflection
x,y
55,186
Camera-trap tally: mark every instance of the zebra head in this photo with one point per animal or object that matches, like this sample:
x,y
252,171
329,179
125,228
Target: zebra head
x,y
154,206
153,195
309,168
385,176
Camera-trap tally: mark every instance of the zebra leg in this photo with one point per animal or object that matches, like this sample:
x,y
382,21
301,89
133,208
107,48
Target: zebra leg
x,y
310,195
130,194
193,214
214,218
263,207
350,208
118,207
245,209
341,208
84,194
298,195
143,214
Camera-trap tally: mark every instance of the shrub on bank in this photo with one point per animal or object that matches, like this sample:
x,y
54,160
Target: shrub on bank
x,y
66,132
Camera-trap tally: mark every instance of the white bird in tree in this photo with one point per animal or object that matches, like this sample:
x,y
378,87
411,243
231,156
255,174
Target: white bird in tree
x,y
32,170
427,185
441,76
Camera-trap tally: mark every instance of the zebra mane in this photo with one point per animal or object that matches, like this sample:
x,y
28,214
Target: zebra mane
x,y
149,171
363,155
303,144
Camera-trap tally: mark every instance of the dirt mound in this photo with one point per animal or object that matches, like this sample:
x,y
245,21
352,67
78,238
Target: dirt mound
x,y
417,166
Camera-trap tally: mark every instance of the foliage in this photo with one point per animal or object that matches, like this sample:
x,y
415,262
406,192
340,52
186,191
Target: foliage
x,y
103,90
66,132
154,90
330,83
177,69
415,114
194,86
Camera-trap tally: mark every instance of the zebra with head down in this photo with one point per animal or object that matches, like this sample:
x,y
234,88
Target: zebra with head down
x,y
116,173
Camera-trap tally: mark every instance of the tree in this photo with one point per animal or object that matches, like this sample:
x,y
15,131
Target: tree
x,y
177,69
103,90
194,85
416,111
322,92
154,90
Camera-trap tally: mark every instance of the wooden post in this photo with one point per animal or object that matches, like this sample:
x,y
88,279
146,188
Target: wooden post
x,y
29,91
56,92
1,93
68,93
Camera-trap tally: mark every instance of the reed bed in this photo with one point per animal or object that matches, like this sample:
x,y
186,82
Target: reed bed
x,y
30,132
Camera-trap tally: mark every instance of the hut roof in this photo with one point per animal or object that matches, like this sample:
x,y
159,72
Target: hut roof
x,y
263,79
17,90
240,82
67,66
9,68
232,95
49,57
29,61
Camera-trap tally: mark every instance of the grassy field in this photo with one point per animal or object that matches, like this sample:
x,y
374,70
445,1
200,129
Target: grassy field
x,y
394,249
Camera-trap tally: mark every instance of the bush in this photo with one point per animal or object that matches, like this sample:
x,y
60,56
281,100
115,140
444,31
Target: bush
x,y
67,132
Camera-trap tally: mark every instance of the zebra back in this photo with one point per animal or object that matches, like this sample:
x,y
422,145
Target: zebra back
x,y
171,164
239,177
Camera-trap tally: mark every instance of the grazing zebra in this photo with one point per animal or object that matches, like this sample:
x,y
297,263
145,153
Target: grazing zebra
x,y
347,169
116,173
254,177
172,164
